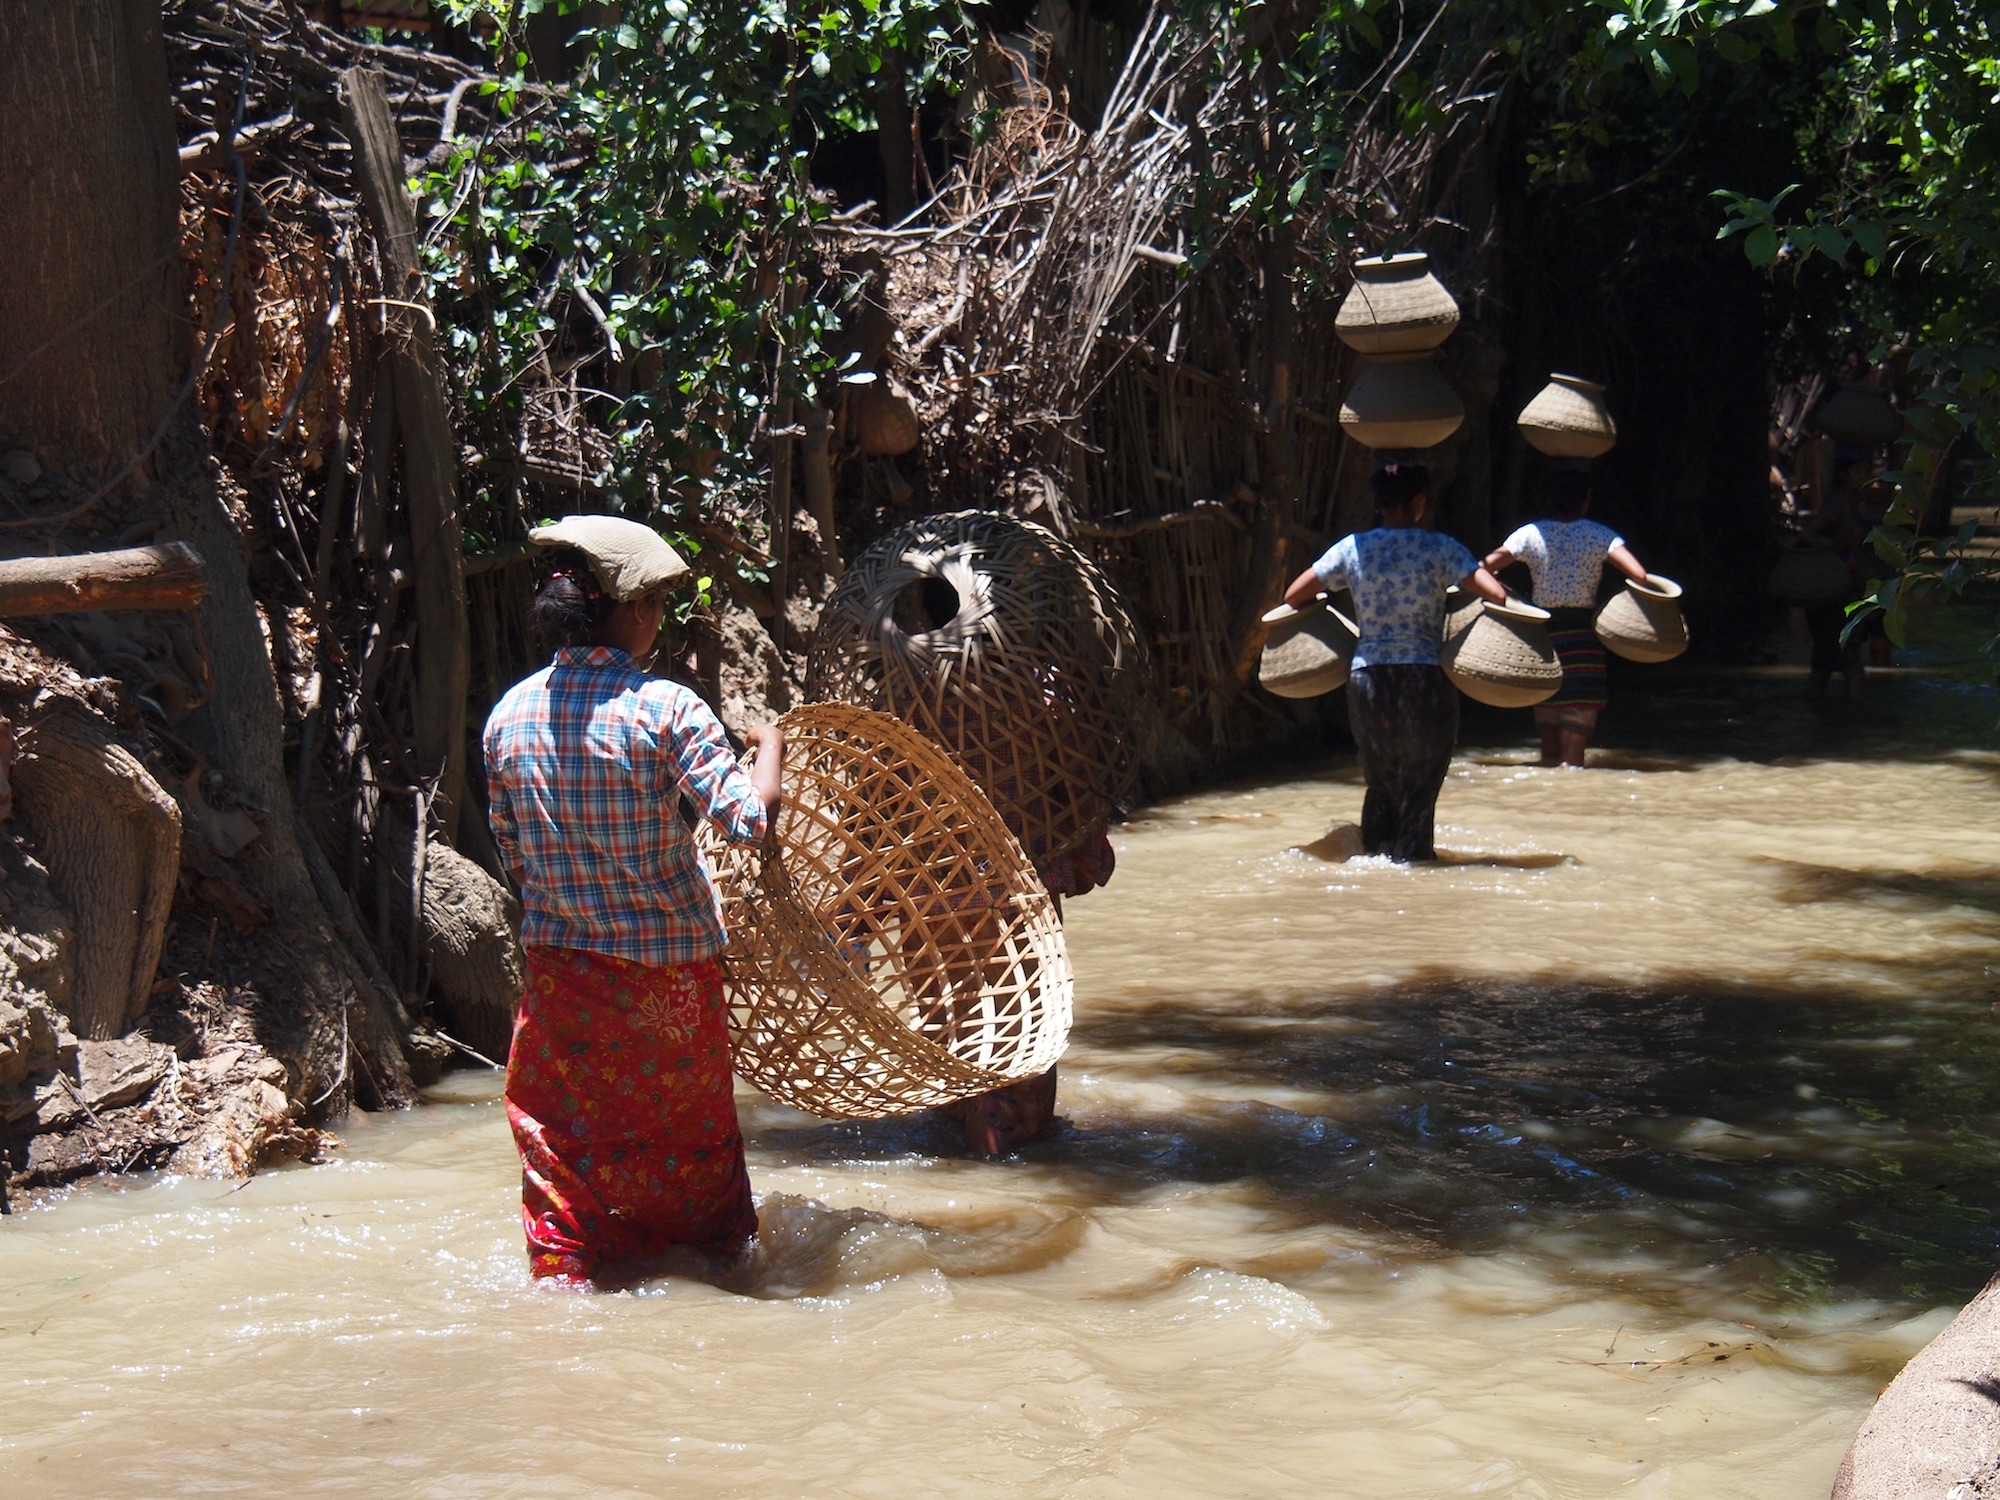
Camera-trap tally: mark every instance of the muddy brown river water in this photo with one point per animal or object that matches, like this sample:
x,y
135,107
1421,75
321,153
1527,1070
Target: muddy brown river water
x,y
1627,1153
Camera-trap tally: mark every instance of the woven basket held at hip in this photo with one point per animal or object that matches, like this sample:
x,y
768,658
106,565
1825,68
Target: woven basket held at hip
x,y
1499,654
1010,649
1308,651
1809,571
896,951
1643,621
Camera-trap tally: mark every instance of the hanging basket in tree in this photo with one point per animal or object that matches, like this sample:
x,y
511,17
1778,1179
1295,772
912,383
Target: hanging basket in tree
x,y
1008,647
892,949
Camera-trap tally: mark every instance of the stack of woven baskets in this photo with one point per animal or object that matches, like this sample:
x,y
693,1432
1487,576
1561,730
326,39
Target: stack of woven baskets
x,y
1394,316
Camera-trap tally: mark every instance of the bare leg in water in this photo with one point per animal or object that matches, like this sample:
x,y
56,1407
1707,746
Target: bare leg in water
x,y
1565,734
1006,1119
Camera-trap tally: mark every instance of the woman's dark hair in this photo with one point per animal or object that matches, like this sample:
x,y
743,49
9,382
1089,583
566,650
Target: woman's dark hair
x,y
1397,486
571,606
1566,493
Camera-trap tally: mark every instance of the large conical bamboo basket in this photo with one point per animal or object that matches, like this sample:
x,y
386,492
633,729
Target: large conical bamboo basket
x,y
896,951
1308,652
1499,654
1643,621
1008,647
1396,306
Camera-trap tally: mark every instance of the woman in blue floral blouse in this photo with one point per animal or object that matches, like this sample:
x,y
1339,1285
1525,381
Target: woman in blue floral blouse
x,y
1402,709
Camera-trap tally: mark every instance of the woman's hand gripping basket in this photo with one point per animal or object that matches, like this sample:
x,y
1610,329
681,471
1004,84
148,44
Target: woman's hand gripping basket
x,y
892,949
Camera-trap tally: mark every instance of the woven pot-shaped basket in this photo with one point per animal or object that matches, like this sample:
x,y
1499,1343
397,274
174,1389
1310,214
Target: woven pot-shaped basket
x,y
1008,647
897,952
885,424
1396,306
1500,654
1308,651
1569,419
1643,621
1400,401
1809,571
1859,412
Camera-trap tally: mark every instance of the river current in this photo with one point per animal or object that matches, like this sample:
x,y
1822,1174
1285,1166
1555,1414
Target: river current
x,y
1629,1151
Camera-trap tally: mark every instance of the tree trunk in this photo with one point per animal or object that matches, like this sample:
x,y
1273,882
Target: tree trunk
x,y
91,316
168,577
93,355
895,140
430,454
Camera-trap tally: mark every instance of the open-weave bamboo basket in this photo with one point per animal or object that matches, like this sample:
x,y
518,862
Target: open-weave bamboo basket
x,y
1008,647
897,951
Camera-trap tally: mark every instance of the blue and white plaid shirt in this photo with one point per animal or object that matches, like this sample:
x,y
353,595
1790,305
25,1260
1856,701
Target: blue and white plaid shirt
x,y
586,765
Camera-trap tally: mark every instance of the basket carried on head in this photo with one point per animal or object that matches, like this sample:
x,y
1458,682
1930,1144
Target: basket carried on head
x,y
897,951
1008,647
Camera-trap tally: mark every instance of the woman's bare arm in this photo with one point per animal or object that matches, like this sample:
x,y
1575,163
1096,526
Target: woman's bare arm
x,y
766,772
1305,588
1622,559
1497,559
1481,582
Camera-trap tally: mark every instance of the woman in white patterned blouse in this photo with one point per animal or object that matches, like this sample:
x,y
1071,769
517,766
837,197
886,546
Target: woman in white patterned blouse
x,y
1565,556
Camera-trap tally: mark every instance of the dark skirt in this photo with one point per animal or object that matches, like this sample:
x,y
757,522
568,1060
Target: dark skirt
x,y
1573,632
1405,721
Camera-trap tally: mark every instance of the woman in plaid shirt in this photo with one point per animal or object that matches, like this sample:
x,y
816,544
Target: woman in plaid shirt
x,y
618,1086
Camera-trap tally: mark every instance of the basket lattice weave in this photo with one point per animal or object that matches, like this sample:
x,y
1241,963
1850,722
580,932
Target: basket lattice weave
x,y
1008,647
897,952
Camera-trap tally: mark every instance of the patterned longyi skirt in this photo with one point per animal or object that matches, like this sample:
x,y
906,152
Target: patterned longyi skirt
x,y
622,1104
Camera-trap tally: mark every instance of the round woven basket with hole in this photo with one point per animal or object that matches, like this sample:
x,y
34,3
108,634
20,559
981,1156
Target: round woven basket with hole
x,y
897,951
1008,647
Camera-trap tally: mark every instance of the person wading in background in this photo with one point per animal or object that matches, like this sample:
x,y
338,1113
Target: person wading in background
x,y
619,1089
1401,708
1565,555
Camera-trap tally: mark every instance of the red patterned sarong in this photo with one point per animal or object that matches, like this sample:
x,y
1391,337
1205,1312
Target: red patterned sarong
x,y
619,1093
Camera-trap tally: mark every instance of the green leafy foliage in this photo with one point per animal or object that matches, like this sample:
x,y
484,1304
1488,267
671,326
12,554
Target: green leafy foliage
x,y
642,233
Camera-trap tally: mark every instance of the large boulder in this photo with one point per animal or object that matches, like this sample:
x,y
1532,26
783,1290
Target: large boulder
x,y
1935,1432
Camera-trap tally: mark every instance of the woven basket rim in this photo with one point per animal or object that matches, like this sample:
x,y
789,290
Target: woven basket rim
x,y
1656,586
1284,614
1517,609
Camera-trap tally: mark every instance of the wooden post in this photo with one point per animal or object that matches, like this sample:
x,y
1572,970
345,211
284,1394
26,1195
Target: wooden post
x,y
443,655
781,518
816,471
168,577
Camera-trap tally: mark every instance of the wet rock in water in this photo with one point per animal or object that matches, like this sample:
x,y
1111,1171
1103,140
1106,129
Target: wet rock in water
x,y
429,1055
1936,1429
